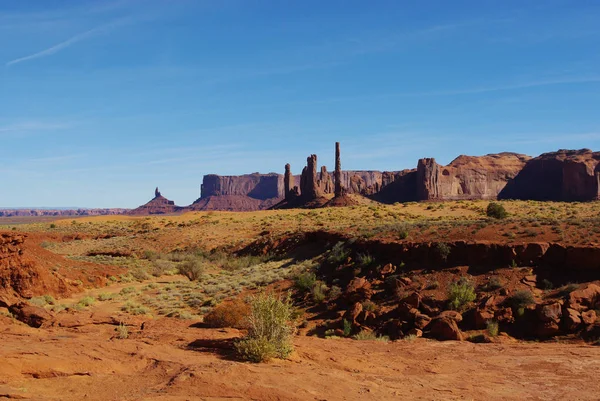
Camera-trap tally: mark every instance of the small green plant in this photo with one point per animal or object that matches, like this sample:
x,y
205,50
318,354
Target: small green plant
x,y
127,290
565,290
347,328
521,299
192,269
496,211
461,293
334,292
493,284
338,254
492,328
122,332
319,291
364,259
305,281
42,300
270,329
443,250
52,225
86,301
369,306
105,296
365,335
546,284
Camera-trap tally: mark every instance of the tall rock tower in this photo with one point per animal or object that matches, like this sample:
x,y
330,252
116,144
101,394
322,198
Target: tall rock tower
x,y
338,171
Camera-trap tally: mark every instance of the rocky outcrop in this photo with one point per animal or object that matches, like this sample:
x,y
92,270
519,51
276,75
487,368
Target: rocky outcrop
x,y
325,181
158,205
232,203
309,187
257,186
566,175
467,177
338,172
288,182
20,275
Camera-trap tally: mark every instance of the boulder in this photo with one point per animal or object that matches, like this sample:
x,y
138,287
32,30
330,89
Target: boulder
x,y
353,313
571,319
387,270
482,317
415,332
451,314
33,316
588,317
551,312
443,329
358,290
585,298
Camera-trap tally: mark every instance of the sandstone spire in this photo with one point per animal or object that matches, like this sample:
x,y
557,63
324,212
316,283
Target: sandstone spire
x,y
288,182
338,171
156,193
309,187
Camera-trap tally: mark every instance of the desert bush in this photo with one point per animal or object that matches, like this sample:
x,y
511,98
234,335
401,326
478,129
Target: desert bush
x,y
192,269
338,254
347,327
229,314
334,292
105,296
365,335
565,290
496,211
492,328
306,281
270,329
493,284
546,284
461,293
86,301
135,309
364,259
369,306
127,290
520,299
319,291
122,331
42,300
443,250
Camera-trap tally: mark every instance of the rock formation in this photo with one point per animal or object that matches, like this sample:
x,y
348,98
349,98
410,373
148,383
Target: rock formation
x,y
338,171
565,175
288,182
158,205
325,181
257,186
309,187
467,177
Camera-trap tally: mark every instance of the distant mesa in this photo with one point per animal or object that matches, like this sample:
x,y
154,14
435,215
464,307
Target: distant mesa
x,y
565,175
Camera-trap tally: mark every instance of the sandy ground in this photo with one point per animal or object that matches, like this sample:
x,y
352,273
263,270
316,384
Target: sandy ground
x,y
177,360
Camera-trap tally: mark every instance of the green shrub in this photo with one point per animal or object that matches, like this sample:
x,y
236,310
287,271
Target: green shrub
x,y
192,269
42,300
365,335
105,296
443,250
306,281
492,328
347,328
520,299
494,284
86,301
496,211
127,290
461,293
334,292
270,329
319,291
338,254
369,306
364,259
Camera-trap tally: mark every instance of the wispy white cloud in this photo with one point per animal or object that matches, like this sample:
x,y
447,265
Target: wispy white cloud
x,y
102,29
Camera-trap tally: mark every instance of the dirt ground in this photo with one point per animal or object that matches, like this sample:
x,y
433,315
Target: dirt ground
x,y
177,360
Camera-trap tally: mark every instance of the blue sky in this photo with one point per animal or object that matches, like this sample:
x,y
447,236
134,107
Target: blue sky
x,y
101,101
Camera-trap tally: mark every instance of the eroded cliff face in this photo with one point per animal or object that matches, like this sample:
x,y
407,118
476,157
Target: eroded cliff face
x,y
467,177
257,186
565,175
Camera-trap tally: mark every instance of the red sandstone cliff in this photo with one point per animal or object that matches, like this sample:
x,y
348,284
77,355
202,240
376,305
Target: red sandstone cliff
x,y
565,175
467,177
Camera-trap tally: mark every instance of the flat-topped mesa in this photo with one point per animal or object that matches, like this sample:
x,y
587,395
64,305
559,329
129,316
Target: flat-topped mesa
x,y
309,187
565,175
338,172
467,177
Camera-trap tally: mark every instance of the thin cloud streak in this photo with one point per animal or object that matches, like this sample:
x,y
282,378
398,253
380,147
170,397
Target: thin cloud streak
x,y
69,42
